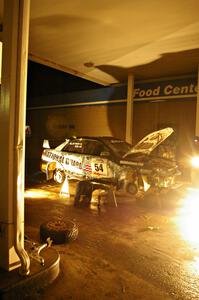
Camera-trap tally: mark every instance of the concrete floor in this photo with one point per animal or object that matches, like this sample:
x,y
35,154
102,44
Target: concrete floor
x,y
133,251
136,250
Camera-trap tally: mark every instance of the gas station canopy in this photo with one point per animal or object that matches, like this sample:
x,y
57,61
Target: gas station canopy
x,y
103,41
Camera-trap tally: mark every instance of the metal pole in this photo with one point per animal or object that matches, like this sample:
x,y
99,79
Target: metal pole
x,y
129,109
197,109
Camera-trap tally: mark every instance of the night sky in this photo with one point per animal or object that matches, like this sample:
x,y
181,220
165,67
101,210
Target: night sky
x,y
44,81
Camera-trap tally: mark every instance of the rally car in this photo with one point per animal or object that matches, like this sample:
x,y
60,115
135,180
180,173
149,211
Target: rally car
x,y
109,160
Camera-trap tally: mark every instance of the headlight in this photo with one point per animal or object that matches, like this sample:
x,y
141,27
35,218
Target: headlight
x,y
195,162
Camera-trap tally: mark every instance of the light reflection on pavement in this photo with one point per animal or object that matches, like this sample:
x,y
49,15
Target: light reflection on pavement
x,y
187,217
161,246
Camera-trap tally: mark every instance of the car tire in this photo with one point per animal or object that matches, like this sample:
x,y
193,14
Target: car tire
x,y
60,231
131,188
59,176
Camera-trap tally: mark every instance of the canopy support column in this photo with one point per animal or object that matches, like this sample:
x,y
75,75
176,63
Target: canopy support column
x,y
197,109
129,109
12,134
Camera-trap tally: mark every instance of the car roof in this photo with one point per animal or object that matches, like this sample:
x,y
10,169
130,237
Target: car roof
x,y
100,138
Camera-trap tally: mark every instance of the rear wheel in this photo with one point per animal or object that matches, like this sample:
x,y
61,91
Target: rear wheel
x,y
59,176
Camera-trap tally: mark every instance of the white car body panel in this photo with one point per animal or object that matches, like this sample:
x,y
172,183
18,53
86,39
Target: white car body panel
x,y
151,141
79,164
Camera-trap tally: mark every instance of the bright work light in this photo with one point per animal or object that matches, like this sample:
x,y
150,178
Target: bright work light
x,y
195,161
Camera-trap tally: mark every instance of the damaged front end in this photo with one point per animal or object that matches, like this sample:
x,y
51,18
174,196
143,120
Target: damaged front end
x,y
149,165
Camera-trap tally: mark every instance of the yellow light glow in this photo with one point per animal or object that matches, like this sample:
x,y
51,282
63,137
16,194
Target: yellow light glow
x,y
195,162
196,262
35,193
65,189
188,218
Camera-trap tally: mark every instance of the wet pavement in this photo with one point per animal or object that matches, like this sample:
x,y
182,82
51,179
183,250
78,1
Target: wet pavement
x,y
145,249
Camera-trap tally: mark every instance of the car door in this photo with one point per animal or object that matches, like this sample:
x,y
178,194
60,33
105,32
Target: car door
x,y
73,158
95,161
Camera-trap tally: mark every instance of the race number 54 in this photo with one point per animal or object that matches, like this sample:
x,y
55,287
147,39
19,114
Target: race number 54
x,y
99,167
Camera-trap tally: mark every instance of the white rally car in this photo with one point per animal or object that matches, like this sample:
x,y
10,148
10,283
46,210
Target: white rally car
x,y
150,163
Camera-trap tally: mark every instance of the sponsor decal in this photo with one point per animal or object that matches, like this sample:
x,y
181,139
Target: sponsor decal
x,y
99,168
63,159
87,168
74,164
55,156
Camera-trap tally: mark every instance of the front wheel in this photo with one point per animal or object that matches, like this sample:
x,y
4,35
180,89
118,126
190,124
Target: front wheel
x,y
131,188
59,176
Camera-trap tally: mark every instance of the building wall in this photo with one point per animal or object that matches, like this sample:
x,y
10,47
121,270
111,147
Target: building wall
x,y
178,114
58,124
156,105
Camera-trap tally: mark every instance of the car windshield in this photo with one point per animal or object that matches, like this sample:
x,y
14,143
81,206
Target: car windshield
x,y
118,147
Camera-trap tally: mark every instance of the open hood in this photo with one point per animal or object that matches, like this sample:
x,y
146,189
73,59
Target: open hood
x,y
150,142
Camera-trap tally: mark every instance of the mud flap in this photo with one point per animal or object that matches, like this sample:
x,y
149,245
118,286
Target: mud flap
x,y
50,168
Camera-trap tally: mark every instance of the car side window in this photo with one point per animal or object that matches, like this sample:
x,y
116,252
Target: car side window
x,y
93,147
74,146
86,146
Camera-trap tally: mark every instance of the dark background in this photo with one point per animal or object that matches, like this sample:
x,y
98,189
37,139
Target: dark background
x,y
44,81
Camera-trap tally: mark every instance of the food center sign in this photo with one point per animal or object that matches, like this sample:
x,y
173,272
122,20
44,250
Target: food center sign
x,y
181,88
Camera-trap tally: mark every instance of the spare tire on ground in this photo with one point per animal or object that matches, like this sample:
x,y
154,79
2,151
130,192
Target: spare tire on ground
x,y
60,231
